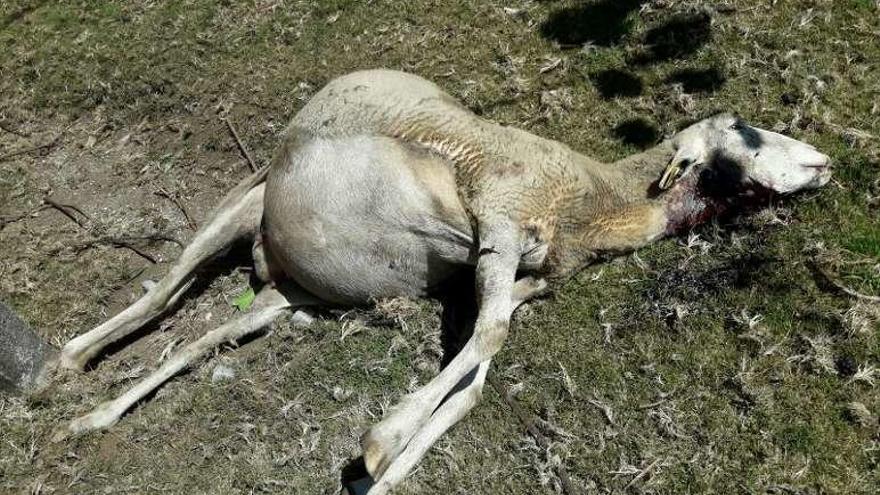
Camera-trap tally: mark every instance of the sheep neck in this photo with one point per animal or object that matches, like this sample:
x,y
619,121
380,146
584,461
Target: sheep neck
x,y
693,200
638,214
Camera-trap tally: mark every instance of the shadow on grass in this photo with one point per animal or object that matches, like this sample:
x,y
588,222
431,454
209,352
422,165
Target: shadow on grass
x,y
606,23
689,285
613,83
677,37
355,479
698,80
637,132
458,297
602,23
19,14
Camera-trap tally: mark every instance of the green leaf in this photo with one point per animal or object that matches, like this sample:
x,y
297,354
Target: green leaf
x,y
246,300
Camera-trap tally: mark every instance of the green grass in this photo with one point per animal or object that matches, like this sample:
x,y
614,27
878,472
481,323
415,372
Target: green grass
x,y
724,407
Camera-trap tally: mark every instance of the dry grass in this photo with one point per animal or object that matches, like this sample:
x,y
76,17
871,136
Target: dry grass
x,y
722,361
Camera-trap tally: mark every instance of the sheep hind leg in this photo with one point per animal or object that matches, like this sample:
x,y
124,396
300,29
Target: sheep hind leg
x,y
237,216
268,305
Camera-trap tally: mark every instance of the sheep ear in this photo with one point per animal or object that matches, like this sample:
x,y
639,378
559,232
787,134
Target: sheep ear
x,y
685,156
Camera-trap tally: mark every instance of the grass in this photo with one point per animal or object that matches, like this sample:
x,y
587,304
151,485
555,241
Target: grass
x,y
726,358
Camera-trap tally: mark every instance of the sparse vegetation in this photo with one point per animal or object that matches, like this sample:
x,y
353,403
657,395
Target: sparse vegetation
x,y
725,361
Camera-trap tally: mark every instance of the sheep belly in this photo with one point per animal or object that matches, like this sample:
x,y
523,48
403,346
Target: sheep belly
x,y
360,218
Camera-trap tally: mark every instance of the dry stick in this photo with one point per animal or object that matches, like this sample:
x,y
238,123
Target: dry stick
x,y
126,242
241,147
135,238
115,242
529,422
128,245
663,398
4,221
839,285
641,474
6,127
155,237
132,277
63,209
50,144
165,194
74,208
652,405
48,203
137,251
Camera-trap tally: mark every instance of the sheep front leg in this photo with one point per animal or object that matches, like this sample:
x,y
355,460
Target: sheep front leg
x,y
496,271
447,415
468,394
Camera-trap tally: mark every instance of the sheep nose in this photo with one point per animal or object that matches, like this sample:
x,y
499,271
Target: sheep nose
x,y
821,170
821,164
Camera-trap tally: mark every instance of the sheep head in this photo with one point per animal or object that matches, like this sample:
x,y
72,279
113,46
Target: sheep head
x,y
722,162
724,147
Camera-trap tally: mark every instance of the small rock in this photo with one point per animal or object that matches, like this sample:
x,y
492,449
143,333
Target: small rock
x,y
514,12
222,373
23,354
818,84
340,394
515,389
301,319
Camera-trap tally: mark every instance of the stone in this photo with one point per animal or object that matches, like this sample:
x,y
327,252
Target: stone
x,y
222,373
23,354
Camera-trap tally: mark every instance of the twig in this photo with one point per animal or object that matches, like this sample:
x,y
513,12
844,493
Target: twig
x,y
124,242
839,285
6,127
133,276
64,209
117,242
529,422
165,194
139,238
663,398
76,209
114,241
50,144
156,237
241,147
4,221
642,474
652,405
605,408
135,250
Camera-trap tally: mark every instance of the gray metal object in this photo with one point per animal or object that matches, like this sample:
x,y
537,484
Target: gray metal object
x,y
22,353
